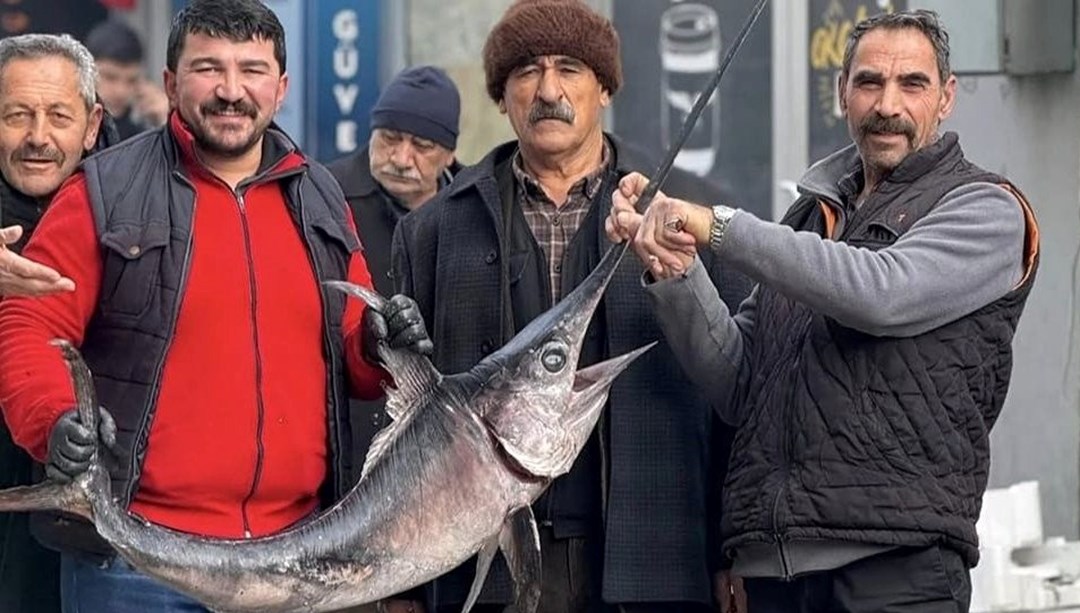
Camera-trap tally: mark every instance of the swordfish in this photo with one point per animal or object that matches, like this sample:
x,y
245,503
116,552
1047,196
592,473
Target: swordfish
x,y
451,477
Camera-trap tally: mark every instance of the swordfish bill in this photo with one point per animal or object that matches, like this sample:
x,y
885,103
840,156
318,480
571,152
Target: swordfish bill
x,y
451,477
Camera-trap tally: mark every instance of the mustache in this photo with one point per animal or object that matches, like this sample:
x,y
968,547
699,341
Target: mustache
x,y
545,110
409,174
30,152
218,105
874,123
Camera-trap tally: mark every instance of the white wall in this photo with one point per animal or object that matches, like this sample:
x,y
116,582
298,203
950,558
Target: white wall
x,y
1029,130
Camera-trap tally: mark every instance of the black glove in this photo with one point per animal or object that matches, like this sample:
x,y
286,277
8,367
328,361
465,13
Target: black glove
x,y
71,444
401,327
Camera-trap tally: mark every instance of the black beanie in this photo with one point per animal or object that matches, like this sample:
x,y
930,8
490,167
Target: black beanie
x,y
534,28
422,101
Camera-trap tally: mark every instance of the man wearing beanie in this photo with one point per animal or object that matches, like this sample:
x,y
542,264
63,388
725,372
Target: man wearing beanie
x,y
409,157
626,530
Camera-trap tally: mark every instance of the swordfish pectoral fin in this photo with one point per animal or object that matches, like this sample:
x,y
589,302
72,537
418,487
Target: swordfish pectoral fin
x,y
520,544
483,564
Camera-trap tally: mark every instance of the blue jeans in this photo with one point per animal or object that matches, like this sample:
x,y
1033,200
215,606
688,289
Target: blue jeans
x,y
115,587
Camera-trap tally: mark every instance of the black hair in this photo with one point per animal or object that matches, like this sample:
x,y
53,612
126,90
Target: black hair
x,y
116,41
237,20
923,20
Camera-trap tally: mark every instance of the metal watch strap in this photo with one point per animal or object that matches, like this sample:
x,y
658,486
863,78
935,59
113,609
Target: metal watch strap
x,y
721,219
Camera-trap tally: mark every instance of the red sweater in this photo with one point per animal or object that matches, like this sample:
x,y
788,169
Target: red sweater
x,y
238,440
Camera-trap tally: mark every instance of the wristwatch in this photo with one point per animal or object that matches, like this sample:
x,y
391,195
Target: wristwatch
x,y
721,219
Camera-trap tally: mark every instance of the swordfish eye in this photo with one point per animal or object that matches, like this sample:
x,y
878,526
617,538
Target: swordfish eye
x,y
553,357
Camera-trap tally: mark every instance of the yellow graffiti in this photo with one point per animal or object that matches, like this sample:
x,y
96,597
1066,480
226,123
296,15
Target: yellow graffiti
x,y
827,41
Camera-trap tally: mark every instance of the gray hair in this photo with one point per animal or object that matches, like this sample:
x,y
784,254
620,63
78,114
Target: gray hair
x,y
923,20
36,46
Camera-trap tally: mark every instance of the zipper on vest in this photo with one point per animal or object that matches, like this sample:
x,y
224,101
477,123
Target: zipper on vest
x,y
260,408
788,451
785,566
143,433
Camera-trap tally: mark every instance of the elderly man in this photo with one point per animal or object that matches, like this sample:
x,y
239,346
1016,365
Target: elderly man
x,y
626,528
409,157
48,119
873,358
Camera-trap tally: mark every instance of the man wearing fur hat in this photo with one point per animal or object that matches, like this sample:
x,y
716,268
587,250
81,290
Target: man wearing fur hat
x,y
625,530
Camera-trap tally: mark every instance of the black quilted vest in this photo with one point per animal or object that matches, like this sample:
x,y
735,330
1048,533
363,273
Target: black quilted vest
x,y
871,439
143,206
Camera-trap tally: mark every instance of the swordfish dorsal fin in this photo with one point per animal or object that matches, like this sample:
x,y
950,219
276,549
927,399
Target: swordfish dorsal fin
x,y
414,378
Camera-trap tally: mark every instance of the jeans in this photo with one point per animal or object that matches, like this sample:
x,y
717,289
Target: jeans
x,y
115,587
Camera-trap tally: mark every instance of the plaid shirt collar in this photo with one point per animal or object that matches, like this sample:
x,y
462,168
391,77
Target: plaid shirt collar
x,y
586,187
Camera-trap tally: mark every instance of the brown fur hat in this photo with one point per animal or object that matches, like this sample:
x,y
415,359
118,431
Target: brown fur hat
x,y
532,28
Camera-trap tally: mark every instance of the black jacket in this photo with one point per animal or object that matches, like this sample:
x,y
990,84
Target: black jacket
x,y
375,213
658,429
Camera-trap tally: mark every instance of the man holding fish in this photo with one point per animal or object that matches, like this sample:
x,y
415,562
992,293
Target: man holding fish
x,y
198,253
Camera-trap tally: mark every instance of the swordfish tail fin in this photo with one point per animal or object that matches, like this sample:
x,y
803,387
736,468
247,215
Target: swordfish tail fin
x,y
85,396
52,496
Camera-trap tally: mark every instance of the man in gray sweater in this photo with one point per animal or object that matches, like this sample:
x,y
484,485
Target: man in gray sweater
x,y
865,371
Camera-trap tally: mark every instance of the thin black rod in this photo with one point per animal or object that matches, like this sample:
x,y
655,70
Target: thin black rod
x,y
702,101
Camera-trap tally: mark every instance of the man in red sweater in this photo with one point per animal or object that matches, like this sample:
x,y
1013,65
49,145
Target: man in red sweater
x,y
198,253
